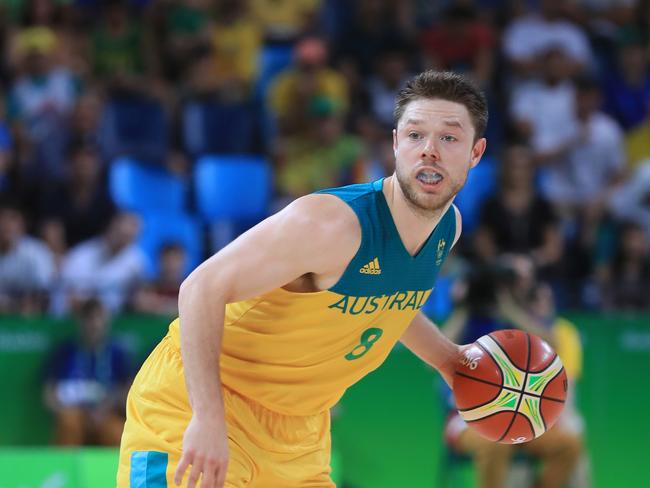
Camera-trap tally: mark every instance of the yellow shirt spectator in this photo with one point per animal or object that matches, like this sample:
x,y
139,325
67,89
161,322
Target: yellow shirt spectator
x,y
568,347
236,47
293,91
282,19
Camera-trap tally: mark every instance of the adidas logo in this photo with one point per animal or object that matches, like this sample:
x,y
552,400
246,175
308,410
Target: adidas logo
x,y
371,268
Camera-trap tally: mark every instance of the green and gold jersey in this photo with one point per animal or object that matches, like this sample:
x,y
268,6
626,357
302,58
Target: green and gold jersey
x,y
297,353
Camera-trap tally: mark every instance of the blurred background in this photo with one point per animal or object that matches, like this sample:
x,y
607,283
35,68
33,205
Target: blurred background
x,y
139,137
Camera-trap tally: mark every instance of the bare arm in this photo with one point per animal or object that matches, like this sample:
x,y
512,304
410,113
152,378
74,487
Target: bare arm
x,y
315,234
426,341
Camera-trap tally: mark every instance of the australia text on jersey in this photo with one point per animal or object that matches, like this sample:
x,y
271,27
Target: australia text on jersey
x,y
401,300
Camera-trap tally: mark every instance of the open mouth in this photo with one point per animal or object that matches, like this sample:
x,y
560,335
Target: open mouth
x,y
429,177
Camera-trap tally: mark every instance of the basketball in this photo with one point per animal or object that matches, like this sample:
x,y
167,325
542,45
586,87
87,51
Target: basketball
x,y
510,386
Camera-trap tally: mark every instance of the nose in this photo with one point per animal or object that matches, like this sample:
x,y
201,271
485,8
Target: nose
x,y
430,150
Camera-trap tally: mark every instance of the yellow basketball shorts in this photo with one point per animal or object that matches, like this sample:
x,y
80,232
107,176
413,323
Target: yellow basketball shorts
x,y
267,449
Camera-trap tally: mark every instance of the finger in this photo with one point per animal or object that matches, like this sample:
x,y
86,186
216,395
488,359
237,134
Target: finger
x,y
182,466
221,475
209,473
195,472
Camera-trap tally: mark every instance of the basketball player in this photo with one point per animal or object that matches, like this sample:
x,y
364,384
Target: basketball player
x,y
275,327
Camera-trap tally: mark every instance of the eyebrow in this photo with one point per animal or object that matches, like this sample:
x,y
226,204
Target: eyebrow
x,y
413,122
453,123
447,122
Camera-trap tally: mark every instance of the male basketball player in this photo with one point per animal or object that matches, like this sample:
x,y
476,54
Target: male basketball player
x,y
275,327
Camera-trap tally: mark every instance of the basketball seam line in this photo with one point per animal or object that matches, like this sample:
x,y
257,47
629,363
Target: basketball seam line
x,y
482,404
530,424
555,376
549,363
523,386
541,397
486,417
503,380
504,351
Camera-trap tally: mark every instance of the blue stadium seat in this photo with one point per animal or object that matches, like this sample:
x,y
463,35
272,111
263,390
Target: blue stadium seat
x,y
235,188
160,228
481,184
272,61
134,126
142,188
209,127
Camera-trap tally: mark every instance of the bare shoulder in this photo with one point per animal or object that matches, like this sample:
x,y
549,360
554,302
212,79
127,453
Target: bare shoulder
x,y
326,211
315,235
327,222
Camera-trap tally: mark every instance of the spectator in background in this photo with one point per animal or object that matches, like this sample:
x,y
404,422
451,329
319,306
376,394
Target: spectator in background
x,y
373,25
87,381
580,184
326,156
121,49
81,203
489,305
631,201
517,219
110,267
160,296
45,20
392,72
236,43
183,26
625,279
627,89
294,89
567,344
628,96
86,117
531,34
284,21
26,265
41,101
200,78
52,233
543,110
460,42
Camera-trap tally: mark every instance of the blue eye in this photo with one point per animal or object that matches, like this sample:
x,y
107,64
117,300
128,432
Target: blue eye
x,y
449,138
414,135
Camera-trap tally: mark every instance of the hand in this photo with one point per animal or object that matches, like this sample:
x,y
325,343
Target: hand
x,y
205,447
448,369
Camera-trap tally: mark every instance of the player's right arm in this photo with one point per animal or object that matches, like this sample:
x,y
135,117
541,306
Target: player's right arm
x,y
317,234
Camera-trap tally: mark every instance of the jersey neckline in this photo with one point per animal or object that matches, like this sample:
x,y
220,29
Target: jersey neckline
x,y
383,203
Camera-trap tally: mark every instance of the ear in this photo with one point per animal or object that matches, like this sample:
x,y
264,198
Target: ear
x,y
478,150
394,141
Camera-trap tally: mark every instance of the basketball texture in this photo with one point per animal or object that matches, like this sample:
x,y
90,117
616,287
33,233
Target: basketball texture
x,y
510,386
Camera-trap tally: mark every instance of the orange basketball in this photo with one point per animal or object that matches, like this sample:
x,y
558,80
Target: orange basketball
x,y
510,386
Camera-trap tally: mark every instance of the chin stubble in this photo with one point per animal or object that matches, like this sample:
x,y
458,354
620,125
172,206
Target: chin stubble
x,y
412,198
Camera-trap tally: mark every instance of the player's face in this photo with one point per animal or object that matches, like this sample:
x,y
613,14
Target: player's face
x,y
434,150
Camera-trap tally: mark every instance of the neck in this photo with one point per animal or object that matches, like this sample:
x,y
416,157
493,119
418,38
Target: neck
x,y
413,223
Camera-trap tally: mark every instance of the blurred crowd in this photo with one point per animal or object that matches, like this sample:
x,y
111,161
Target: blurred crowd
x,y
309,85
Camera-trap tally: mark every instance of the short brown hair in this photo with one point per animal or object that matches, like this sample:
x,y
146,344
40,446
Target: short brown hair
x,y
445,85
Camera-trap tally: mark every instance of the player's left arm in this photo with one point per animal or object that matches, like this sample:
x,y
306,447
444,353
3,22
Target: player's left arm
x,y
425,340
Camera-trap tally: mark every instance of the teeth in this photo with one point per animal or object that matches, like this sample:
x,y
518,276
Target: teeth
x,y
429,177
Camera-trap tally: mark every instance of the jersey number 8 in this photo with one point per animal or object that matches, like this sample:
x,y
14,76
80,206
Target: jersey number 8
x,y
368,338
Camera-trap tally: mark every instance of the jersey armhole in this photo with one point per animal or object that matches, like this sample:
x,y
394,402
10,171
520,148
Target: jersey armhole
x,y
458,225
362,241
